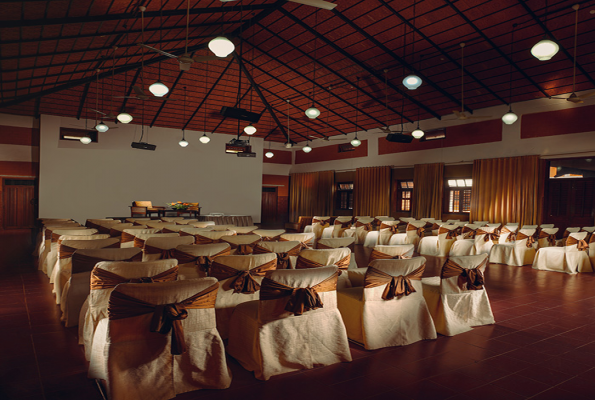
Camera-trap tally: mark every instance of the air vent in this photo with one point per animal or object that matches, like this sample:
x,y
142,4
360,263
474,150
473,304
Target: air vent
x,y
345,147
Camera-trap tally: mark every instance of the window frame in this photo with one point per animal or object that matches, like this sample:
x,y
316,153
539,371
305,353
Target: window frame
x,y
461,189
339,194
400,197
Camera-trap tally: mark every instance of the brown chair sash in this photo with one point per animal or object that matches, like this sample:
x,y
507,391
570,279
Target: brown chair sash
x,y
277,238
591,238
367,227
396,286
202,261
472,277
304,263
86,263
581,245
127,237
300,300
470,231
566,234
392,228
530,239
378,255
551,239
199,239
324,246
67,251
102,279
304,245
166,317
488,235
450,234
243,281
165,253
138,242
283,261
324,222
512,235
420,231
344,225
244,249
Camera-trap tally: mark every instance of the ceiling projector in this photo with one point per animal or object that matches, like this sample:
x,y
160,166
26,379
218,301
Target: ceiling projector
x,y
143,146
399,138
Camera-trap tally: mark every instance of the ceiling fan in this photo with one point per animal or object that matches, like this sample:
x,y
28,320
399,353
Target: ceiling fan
x,y
185,59
314,3
141,95
573,97
461,115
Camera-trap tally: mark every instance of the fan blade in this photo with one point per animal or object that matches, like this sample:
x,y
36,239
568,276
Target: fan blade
x,y
165,53
209,58
559,98
97,111
138,91
584,96
479,117
316,3
125,97
160,98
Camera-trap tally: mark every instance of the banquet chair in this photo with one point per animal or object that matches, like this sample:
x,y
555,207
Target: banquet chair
x,y
547,237
340,257
318,226
144,350
484,240
67,246
571,258
457,299
105,276
202,224
382,218
567,232
102,225
76,289
496,225
141,238
517,253
128,234
465,241
116,230
137,221
389,309
283,332
508,233
194,260
242,244
386,230
52,256
439,245
480,223
159,224
240,278
172,228
162,247
335,243
341,224
223,227
269,235
388,252
305,238
44,239
360,229
144,208
286,251
208,237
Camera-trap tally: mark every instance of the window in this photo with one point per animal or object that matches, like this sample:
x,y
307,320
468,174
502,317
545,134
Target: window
x,y
458,195
345,196
404,195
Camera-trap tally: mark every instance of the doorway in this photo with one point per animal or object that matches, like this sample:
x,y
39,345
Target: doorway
x,y
269,207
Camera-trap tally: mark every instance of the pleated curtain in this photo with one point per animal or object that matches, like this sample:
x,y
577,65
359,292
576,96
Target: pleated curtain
x,y
428,184
311,194
506,190
371,191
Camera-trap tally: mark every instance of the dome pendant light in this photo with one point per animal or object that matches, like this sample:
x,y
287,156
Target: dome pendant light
x,y
269,154
356,142
510,118
307,148
250,130
101,127
204,139
545,49
124,117
412,82
418,133
183,142
221,46
158,89
85,140
312,112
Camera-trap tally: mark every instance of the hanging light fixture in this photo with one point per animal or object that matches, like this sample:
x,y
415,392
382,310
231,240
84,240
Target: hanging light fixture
x,y
412,81
158,89
307,147
101,127
545,49
269,154
124,117
250,130
314,112
355,142
204,139
184,142
85,139
221,46
417,133
510,117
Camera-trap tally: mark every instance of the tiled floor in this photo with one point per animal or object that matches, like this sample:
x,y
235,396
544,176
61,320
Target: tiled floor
x,y
542,347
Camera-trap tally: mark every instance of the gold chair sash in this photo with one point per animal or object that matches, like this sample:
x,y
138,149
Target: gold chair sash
x,y
367,227
283,261
470,231
166,317
450,234
138,242
203,261
86,263
102,279
300,300
199,239
512,234
396,286
127,237
304,263
243,281
551,238
592,238
277,238
530,239
472,277
566,234
304,245
165,253
244,249
67,251
488,235
378,255
392,228
324,222
581,245
420,231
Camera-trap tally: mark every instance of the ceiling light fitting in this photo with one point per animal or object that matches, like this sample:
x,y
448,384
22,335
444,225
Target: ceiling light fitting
x,y
307,148
312,112
412,82
85,140
204,139
269,154
124,118
418,133
356,142
250,130
158,89
101,127
509,118
221,46
183,142
545,49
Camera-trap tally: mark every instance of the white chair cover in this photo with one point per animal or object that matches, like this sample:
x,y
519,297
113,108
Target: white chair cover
x,y
50,256
480,223
506,231
136,363
319,224
141,238
567,232
242,244
160,247
438,245
335,243
202,224
245,230
386,231
269,235
128,234
194,260
186,221
518,253
340,225
305,238
375,319
571,258
172,219
268,340
363,225
456,309
547,237
340,257
484,240
286,251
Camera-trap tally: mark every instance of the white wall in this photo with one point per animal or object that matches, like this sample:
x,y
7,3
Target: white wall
x,y
102,179
15,152
510,146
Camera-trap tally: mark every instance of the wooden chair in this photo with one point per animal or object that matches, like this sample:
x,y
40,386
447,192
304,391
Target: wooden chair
x,y
144,208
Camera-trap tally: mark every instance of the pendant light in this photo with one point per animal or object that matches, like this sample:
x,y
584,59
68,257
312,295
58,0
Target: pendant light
x,y
100,127
221,46
314,112
204,139
158,88
355,142
250,130
545,49
412,81
510,117
307,147
85,139
184,142
269,154
418,133
124,117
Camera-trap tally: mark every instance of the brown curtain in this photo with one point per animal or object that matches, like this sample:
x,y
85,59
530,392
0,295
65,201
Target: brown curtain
x,y
311,194
371,191
506,190
428,183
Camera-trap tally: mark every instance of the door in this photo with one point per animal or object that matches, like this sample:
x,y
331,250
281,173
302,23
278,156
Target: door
x,y
571,203
269,206
19,202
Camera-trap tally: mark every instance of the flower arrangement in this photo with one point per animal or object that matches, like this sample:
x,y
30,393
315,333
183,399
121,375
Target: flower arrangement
x,y
178,205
